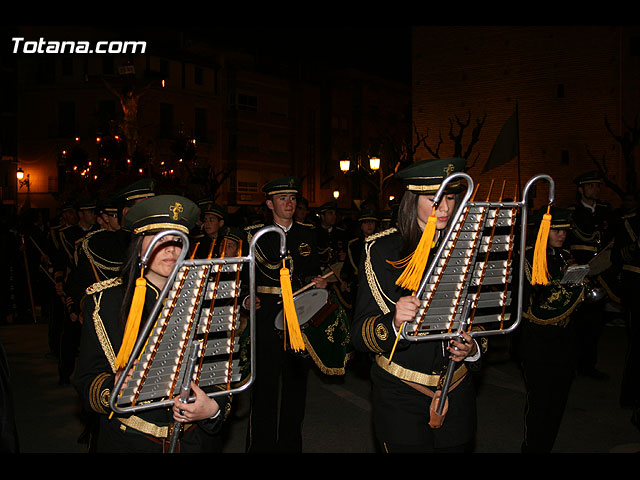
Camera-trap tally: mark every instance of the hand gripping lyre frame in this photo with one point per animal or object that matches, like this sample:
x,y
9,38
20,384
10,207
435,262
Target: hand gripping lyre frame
x,y
463,270
177,316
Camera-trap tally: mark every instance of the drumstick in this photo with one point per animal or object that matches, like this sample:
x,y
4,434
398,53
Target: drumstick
x,y
308,286
337,276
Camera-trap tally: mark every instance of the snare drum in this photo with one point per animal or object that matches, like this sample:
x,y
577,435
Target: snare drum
x,y
325,329
307,305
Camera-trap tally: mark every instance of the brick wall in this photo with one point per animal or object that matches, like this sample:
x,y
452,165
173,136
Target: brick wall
x,y
565,81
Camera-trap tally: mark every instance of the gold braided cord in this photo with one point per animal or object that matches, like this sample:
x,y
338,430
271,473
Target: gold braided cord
x,y
103,285
103,338
373,281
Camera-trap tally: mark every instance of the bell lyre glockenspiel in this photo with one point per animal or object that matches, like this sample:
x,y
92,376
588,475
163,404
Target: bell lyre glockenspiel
x,y
192,332
469,281
473,268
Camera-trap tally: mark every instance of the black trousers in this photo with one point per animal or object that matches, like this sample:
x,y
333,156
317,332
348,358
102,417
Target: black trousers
x,y
630,385
278,394
548,387
589,320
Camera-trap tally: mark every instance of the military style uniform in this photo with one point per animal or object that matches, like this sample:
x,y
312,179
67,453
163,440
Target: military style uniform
x,y
281,384
590,235
147,431
102,338
203,241
400,409
58,304
70,238
332,243
546,343
626,255
349,272
99,256
100,253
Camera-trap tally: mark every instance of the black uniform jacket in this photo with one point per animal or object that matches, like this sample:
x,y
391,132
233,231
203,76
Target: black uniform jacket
x,y
591,234
98,257
301,259
546,335
95,377
400,411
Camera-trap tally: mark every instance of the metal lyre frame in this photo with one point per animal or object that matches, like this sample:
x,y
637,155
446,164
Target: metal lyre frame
x,y
192,348
463,305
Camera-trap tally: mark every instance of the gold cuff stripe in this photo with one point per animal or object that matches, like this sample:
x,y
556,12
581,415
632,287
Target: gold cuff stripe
x,y
369,336
99,396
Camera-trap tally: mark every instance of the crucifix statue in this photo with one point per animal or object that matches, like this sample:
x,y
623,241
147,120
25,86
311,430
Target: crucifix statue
x,y
129,101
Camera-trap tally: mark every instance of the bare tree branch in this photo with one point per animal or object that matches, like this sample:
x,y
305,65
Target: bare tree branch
x,y
628,141
601,165
475,135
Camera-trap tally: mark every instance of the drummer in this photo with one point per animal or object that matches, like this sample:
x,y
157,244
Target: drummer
x,y
281,384
403,385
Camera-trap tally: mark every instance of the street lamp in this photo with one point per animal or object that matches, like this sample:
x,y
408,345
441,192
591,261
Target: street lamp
x,y
346,167
373,167
21,180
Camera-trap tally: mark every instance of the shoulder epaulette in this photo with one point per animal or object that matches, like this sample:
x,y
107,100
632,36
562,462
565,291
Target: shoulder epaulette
x,y
103,285
309,225
250,230
384,233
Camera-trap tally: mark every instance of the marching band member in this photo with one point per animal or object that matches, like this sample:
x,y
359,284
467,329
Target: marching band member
x,y
402,389
109,309
278,394
546,340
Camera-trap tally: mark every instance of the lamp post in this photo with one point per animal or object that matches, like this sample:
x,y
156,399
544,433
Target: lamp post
x,y
22,181
373,166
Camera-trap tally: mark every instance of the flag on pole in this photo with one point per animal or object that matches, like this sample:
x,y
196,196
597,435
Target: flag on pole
x,y
507,145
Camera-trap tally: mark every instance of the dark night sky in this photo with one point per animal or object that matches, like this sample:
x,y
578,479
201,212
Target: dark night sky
x,y
384,50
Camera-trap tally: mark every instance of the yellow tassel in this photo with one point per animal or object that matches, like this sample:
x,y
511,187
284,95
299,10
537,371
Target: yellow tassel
x,y
290,317
412,275
539,272
133,322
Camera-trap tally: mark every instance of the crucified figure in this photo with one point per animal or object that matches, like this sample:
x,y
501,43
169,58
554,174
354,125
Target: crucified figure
x,y
129,102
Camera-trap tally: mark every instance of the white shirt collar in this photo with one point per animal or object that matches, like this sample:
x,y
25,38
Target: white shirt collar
x,y
590,207
286,229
